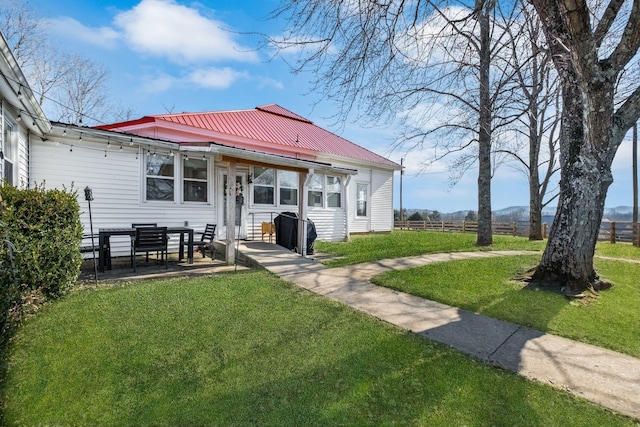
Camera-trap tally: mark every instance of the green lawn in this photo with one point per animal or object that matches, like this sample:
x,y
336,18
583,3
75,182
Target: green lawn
x,y
249,349
373,247
485,286
618,250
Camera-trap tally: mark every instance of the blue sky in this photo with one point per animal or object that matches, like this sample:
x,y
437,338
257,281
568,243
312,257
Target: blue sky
x,y
176,55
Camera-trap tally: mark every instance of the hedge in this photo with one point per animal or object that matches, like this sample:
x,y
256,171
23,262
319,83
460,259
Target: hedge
x,y
41,233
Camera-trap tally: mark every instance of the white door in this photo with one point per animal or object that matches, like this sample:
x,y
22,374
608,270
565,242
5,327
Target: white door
x,y
242,198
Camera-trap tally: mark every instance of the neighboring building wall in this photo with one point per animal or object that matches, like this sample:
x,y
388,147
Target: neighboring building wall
x,y
116,181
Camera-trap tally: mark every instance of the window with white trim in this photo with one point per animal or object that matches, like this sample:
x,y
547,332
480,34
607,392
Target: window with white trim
x,y
9,152
264,183
195,180
361,199
325,190
316,191
288,188
160,177
334,192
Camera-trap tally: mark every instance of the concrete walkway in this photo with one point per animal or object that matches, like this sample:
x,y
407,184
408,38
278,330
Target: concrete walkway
x,y
603,376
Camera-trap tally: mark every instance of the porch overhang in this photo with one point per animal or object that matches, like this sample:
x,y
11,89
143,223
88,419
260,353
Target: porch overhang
x,y
257,158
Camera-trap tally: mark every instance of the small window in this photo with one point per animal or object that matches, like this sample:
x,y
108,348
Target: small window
x,y
361,200
288,184
264,180
316,191
160,177
334,192
195,185
9,151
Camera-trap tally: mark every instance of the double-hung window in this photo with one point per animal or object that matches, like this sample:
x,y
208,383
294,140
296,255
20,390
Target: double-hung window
x,y
316,191
160,177
361,199
288,184
271,183
264,183
195,183
334,192
325,186
9,152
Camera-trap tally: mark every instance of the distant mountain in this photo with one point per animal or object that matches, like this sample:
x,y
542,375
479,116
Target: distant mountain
x,y
618,213
618,210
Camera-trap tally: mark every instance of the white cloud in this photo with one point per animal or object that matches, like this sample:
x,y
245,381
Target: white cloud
x,y
159,83
70,28
215,78
206,78
180,33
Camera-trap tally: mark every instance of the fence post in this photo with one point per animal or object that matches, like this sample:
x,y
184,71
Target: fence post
x,y
464,226
612,231
544,230
514,227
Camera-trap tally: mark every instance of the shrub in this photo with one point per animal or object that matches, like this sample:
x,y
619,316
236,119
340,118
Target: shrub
x,y
44,227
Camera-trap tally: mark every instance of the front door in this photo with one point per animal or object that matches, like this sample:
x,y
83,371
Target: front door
x,y
240,230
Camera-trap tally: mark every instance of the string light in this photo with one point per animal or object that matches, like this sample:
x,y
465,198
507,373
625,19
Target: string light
x,y
20,93
80,139
71,149
105,153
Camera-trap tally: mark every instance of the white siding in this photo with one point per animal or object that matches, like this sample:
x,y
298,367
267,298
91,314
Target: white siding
x,y
381,201
330,223
23,158
116,181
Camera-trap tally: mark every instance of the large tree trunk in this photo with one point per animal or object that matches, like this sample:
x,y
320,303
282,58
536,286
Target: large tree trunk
x,y
485,233
567,262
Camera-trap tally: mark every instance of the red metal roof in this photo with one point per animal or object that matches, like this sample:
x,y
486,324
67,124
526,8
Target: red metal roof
x,y
270,125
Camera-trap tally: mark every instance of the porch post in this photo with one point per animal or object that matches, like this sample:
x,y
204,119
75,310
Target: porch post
x,y
347,212
302,211
231,213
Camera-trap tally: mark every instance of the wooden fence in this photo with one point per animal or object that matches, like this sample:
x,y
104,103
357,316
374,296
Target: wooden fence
x,y
610,231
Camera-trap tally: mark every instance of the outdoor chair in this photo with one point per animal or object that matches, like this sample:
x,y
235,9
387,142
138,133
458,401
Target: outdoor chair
x,y
206,241
149,239
268,228
145,224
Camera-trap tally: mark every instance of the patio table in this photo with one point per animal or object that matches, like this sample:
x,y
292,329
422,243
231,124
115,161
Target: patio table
x,y
104,242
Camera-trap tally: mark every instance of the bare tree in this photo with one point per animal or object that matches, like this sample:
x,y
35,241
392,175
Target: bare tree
x,y
68,85
539,101
591,57
22,30
84,89
414,63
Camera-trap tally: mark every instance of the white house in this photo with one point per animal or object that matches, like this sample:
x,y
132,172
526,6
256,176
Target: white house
x,y
173,169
